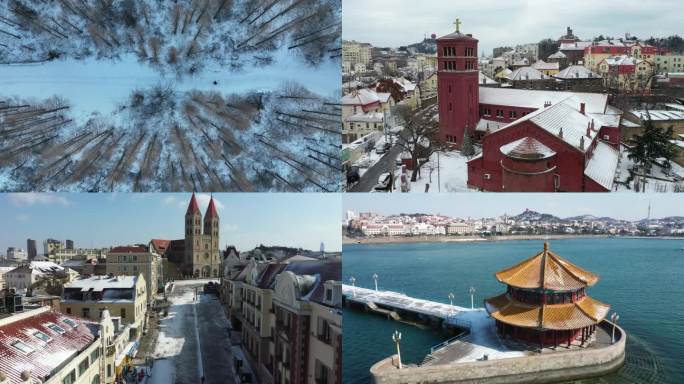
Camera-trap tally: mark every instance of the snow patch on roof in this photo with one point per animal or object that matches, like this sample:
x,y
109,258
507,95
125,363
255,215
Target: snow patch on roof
x,y
602,165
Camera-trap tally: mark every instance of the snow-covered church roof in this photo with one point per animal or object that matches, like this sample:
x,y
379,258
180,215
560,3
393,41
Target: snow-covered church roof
x,y
602,165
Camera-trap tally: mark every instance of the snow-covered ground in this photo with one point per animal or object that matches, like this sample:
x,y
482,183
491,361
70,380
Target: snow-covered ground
x,y
452,173
660,180
93,86
156,96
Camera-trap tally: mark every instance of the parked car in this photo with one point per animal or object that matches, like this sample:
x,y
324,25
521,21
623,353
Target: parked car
x,y
384,182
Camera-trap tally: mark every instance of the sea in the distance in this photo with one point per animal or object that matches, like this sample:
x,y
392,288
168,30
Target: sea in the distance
x,y
642,279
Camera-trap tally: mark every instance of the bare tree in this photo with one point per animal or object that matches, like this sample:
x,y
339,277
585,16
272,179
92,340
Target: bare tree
x,y
420,136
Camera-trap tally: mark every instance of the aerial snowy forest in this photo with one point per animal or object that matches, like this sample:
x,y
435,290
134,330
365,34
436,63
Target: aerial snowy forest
x,y
158,95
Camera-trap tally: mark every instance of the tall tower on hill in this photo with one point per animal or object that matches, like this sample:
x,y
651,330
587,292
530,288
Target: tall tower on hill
x,y
457,85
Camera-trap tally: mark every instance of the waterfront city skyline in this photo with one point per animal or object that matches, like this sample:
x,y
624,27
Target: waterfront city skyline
x,y
617,206
103,220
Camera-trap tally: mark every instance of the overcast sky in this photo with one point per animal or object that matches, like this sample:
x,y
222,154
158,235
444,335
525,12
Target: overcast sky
x,y
497,23
628,206
106,219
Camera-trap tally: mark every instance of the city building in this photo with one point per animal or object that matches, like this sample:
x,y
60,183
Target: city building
x,y
363,112
626,73
356,57
27,276
580,78
69,244
669,63
44,346
51,245
31,249
549,69
135,260
59,256
123,296
16,254
289,319
457,84
546,302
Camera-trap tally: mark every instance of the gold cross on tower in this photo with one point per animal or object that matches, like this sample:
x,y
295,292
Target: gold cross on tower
x,y
458,25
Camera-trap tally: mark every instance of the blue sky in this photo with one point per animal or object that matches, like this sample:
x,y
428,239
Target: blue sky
x,y
496,23
628,206
102,220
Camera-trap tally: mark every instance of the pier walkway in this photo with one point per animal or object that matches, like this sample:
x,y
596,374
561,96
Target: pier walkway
x,y
481,339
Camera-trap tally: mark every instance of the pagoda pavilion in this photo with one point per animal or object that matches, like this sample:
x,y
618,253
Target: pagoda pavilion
x,y
546,302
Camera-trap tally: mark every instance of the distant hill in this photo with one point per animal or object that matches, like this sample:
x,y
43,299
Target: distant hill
x,y
428,46
530,215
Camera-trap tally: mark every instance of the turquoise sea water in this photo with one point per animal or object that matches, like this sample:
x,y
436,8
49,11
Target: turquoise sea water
x,y
642,279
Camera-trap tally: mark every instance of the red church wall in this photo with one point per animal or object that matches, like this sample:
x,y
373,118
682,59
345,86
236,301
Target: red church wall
x,y
458,106
569,161
489,112
527,176
457,86
592,186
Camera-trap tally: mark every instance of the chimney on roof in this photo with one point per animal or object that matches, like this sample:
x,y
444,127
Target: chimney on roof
x,y
592,125
582,106
547,104
560,133
582,142
589,130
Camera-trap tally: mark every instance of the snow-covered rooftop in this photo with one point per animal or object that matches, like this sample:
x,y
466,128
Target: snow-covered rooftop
x,y
543,65
492,125
558,55
99,283
576,46
576,72
360,97
602,165
622,60
565,117
525,98
371,117
484,79
527,148
659,115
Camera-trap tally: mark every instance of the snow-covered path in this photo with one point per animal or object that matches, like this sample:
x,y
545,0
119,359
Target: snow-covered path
x,y
193,339
102,85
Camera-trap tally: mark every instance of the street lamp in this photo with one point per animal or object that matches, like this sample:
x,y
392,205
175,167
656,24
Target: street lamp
x,y
451,299
352,280
614,318
375,277
396,337
472,293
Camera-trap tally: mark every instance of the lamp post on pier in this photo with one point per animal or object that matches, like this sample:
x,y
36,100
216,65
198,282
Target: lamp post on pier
x,y
375,278
451,299
352,280
396,337
614,318
472,294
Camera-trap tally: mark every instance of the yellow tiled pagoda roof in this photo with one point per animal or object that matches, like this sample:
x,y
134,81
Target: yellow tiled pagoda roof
x,y
582,313
546,270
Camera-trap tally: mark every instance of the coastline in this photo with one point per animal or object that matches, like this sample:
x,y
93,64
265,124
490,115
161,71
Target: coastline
x,y
472,239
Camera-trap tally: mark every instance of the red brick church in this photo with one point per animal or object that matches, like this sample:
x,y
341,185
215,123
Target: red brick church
x,y
532,141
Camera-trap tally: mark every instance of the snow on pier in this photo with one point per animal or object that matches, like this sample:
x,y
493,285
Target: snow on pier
x,y
480,341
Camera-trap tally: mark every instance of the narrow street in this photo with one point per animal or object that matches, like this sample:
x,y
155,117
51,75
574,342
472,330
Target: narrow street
x,y
385,164
192,340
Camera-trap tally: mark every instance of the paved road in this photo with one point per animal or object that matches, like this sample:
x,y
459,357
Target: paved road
x,y
385,164
194,337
